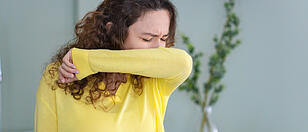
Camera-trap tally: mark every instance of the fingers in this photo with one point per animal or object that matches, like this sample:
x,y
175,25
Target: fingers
x,y
68,69
66,80
67,59
65,73
61,78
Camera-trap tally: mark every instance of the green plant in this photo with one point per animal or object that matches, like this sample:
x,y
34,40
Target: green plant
x,y
223,46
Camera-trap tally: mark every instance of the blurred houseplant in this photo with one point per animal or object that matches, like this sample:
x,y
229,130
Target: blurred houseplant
x,y
212,87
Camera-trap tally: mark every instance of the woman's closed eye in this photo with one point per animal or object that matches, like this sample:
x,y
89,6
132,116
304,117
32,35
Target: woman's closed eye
x,y
148,40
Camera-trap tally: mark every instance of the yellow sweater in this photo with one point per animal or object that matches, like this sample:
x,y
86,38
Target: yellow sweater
x,y
167,68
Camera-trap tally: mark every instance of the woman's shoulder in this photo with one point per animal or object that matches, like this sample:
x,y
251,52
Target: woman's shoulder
x,y
50,72
48,83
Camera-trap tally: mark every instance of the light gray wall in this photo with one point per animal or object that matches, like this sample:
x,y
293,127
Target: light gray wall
x,y
30,32
265,76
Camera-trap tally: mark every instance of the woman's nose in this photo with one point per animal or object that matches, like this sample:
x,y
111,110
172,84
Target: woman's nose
x,y
157,43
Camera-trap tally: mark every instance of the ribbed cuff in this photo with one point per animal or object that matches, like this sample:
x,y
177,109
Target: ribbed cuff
x,y
81,61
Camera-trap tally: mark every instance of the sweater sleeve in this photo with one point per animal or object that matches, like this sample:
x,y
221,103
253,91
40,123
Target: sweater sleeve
x,y
171,66
45,117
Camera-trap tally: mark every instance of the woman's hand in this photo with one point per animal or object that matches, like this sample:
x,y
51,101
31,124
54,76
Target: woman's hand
x,y
67,69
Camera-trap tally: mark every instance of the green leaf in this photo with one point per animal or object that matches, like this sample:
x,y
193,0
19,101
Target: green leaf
x,y
213,60
213,99
219,88
207,85
190,47
215,39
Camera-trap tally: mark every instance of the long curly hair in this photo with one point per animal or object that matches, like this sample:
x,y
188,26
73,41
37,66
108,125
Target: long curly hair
x,y
91,33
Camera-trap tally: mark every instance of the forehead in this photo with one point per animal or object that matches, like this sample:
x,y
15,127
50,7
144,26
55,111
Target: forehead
x,y
156,22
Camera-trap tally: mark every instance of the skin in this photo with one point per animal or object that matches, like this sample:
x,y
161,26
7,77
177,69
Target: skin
x,y
149,31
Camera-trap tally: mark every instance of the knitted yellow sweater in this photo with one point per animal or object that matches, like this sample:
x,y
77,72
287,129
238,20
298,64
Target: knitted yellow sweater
x,y
167,68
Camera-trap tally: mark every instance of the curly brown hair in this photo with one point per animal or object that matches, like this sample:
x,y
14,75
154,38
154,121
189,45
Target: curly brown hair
x,y
91,33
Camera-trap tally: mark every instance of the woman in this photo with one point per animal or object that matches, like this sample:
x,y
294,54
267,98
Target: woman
x,y
117,75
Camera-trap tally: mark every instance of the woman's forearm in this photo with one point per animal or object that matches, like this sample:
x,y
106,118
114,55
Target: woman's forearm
x,y
167,63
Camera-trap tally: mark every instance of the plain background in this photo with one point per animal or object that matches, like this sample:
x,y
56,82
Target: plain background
x,y
266,75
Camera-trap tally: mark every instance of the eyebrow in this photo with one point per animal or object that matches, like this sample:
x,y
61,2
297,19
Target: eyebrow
x,y
154,35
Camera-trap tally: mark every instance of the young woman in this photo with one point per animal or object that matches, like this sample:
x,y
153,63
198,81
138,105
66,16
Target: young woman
x,y
117,75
